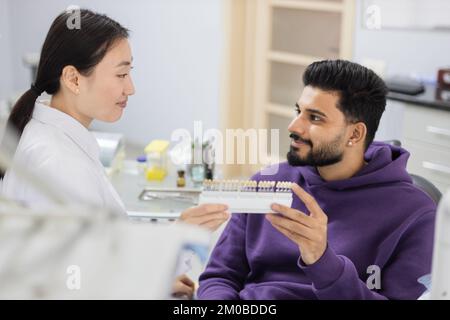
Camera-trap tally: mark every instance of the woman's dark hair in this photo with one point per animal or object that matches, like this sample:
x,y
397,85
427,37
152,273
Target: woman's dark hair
x,y
362,94
82,46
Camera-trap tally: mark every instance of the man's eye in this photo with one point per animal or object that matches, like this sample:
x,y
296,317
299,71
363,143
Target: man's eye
x,y
315,118
122,75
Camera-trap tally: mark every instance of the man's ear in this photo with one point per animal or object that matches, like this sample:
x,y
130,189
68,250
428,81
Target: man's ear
x,y
70,78
358,133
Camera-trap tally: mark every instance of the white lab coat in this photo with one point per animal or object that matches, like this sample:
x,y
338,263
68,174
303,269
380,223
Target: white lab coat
x,y
62,151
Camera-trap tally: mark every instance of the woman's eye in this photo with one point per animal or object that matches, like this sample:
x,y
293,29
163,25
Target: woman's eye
x,y
122,75
297,111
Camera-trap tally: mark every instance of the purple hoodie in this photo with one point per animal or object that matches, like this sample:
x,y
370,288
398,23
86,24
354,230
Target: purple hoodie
x,y
376,218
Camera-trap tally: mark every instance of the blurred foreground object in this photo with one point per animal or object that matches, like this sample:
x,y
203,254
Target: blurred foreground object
x,y
74,253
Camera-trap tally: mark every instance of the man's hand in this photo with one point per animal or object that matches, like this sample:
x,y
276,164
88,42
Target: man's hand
x,y
183,287
210,216
308,232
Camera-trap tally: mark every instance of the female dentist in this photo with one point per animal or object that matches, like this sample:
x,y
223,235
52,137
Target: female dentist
x,y
86,70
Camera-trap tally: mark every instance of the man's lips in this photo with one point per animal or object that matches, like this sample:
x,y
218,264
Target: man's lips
x,y
298,144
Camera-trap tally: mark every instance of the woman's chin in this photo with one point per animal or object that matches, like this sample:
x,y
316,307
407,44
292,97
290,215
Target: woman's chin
x,y
110,118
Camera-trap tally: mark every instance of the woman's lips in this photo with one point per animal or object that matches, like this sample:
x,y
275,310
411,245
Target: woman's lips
x,y
122,104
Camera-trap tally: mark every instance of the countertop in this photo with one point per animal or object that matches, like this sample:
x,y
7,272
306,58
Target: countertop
x,y
130,183
433,97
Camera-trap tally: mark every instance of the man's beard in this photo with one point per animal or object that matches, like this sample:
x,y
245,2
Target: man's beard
x,y
324,155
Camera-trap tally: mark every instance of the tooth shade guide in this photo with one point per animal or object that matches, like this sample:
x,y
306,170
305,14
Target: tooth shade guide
x,y
247,196
246,186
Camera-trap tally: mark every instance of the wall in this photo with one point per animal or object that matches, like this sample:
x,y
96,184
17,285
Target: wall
x,y
5,54
177,53
405,51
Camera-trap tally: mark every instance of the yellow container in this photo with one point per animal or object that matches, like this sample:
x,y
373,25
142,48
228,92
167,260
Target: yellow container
x,y
156,160
156,173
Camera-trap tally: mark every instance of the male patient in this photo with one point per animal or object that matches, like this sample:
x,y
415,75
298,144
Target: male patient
x,y
358,228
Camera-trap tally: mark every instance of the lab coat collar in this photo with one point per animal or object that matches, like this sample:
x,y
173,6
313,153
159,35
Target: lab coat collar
x,y
69,126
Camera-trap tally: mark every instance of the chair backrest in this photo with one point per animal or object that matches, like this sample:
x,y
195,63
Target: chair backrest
x,y
419,181
396,143
427,187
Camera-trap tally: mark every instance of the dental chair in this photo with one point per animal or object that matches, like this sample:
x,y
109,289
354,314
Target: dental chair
x,y
419,181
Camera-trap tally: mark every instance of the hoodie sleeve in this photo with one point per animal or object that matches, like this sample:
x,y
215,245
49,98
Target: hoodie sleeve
x,y
335,276
228,267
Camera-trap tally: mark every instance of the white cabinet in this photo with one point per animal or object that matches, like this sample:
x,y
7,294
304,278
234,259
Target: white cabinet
x,y
425,133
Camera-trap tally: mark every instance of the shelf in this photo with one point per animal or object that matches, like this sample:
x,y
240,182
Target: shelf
x,y
308,5
285,83
281,110
291,58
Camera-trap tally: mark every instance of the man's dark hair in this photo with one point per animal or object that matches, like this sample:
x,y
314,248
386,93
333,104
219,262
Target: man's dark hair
x,y
362,93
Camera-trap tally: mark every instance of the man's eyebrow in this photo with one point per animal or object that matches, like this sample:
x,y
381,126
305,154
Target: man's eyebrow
x,y
316,112
310,110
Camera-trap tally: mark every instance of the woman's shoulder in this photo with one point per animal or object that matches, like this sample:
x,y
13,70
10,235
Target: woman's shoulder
x,y
39,139
41,133
50,153
55,158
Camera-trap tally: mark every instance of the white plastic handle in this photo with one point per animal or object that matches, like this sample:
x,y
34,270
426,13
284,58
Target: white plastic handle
x,y
436,167
441,131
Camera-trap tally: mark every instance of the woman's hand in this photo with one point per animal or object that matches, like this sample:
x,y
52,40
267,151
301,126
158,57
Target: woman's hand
x,y
210,216
183,287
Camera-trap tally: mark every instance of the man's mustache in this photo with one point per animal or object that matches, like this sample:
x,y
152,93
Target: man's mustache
x,y
296,137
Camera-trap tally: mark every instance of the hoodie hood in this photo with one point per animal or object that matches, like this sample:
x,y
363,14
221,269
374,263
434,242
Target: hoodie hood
x,y
386,164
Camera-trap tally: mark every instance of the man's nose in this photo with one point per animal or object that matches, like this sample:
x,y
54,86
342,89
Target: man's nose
x,y
297,125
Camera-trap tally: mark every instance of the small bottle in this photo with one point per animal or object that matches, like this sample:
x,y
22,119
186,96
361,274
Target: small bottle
x,y
181,181
141,164
209,162
198,173
197,167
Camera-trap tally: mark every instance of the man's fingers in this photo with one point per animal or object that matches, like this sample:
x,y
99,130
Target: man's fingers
x,y
293,214
292,226
309,201
289,234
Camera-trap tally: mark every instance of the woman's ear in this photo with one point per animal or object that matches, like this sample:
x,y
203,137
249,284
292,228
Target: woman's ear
x,y
358,134
70,78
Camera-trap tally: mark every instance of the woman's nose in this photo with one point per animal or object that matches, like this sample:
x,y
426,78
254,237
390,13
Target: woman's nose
x,y
130,90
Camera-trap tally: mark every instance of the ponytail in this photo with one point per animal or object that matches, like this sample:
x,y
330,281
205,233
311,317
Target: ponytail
x,y
20,116
23,109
